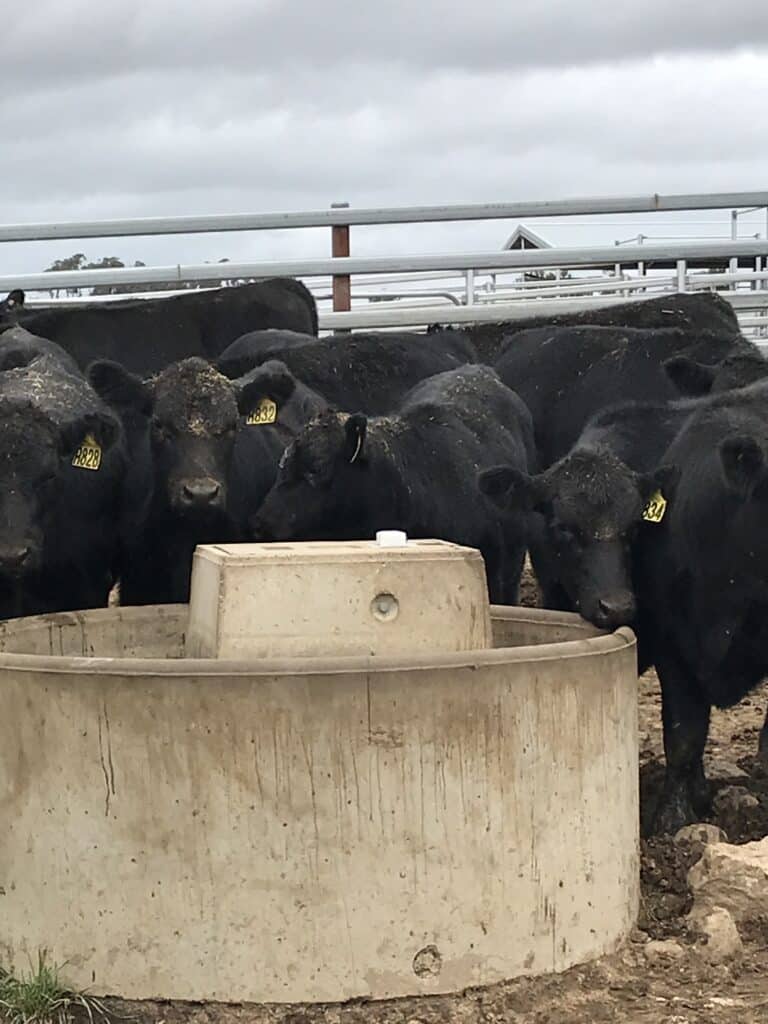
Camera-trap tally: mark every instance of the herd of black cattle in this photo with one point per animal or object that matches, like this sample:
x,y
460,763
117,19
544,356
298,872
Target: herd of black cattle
x,y
625,449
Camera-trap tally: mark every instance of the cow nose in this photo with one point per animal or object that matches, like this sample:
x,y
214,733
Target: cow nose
x,y
14,557
200,492
617,610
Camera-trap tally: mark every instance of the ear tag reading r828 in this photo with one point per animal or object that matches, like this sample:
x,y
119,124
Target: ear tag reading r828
x,y
655,509
88,455
264,413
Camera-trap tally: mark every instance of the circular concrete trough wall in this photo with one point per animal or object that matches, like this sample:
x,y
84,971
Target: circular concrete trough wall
x,y
314,829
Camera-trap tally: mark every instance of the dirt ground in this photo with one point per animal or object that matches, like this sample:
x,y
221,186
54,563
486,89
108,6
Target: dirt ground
x,y
625,988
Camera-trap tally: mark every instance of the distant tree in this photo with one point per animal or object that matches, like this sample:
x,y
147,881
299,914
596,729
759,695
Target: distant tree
x,y
74,262
78,261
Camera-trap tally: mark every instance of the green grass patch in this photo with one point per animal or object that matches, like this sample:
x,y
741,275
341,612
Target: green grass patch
x,y
41,997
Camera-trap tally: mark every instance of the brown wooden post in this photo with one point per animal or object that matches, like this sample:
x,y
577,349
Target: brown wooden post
x,y
342,288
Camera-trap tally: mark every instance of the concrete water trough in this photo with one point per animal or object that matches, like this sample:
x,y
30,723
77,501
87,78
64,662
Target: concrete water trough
x,y
298,828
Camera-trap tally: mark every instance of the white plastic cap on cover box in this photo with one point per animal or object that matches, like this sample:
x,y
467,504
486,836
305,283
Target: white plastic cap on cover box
x,y
391,538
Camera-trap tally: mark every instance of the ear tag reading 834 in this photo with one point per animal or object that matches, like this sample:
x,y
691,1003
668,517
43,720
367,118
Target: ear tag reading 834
x,y
655,509
88,455
264,413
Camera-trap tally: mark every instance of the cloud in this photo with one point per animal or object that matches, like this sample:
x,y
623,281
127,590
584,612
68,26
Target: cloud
x,y
149,109
82,39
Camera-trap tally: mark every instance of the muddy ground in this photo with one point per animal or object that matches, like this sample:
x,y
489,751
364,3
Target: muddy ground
x,y
625,988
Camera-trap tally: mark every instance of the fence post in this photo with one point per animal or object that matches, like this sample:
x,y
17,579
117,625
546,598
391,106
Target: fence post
x,y
469,287
681,274
342,286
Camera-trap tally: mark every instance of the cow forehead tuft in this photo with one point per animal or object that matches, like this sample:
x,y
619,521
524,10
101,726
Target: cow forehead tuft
x,y
195,396
588,483
194,373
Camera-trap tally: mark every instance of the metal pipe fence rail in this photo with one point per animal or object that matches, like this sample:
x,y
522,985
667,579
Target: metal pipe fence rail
x,y
425,290
526,259
345,217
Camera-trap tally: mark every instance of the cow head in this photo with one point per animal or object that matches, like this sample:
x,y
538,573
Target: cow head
x,y
591,505
36,465
323,486
13,303
185,419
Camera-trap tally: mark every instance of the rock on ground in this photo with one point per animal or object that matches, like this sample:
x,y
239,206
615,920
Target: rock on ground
x,y
663,949
734,878
701,833
721,939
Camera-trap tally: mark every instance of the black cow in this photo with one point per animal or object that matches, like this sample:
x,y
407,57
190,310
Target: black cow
x,y
693,314
62,464
205,452
146,335
346,476
693,570
368,371
701,576
566,375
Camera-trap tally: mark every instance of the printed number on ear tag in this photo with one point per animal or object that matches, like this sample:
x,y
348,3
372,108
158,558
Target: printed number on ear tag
x,y
88,455
264,413
655,509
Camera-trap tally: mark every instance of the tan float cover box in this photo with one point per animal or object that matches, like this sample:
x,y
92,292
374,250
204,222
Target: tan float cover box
x,y
334,598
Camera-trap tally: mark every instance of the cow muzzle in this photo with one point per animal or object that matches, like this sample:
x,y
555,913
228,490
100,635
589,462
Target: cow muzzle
x,y
614,610
200,493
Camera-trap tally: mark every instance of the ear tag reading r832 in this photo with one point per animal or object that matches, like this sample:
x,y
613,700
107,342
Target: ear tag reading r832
x,y
88,455
655,509
264,413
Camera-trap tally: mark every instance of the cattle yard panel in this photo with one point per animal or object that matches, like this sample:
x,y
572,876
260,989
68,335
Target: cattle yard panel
x,y
463,286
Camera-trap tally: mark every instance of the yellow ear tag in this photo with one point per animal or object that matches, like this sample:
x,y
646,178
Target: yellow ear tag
x,y
88,455
655,509
264,413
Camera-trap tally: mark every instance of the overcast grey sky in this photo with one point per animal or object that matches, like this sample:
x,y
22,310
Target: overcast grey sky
x,y
144,108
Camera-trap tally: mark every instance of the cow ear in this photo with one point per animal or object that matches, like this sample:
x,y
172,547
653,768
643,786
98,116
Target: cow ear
x,y
509,488
270,380
665,479
119,388
15,299
743,462
689,377
354,436
101,426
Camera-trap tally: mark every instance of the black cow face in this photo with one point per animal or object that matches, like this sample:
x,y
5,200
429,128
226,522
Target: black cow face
x,y
591,506
194,419
322,486
36,460
187,418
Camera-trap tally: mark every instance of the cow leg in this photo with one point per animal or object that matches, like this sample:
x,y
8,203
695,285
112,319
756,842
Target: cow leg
x,y
685,714
510,571
762,743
